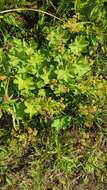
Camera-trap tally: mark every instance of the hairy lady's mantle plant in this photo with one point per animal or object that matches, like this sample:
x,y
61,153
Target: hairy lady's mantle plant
x,y
48,81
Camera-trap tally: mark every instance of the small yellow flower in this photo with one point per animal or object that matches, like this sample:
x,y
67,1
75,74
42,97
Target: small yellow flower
x,y
29,129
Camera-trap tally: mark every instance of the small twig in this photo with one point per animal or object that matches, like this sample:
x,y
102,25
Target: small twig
x,y
31,9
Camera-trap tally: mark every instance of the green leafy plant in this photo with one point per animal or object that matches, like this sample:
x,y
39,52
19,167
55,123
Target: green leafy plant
x,y
53,94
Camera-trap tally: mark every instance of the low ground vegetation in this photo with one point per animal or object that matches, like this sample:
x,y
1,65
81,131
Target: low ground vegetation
x,y
53,95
